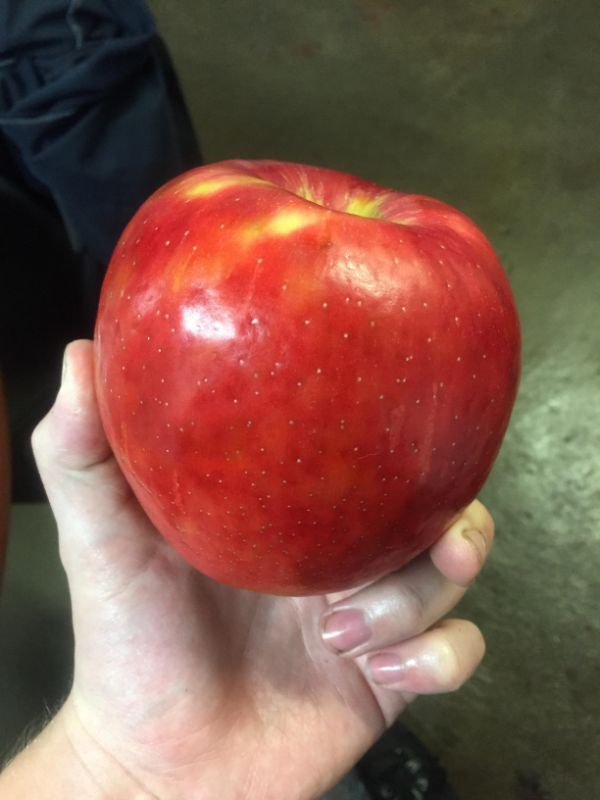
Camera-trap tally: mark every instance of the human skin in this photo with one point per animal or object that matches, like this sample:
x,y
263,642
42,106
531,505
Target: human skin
x,y
186,688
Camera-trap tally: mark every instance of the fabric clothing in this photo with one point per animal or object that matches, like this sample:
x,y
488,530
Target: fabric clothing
x,y
92,121
91,111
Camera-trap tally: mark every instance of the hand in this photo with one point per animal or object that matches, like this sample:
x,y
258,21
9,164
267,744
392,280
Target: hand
x,y
187,688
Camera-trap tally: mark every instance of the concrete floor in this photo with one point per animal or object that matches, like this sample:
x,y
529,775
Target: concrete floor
x,y
492,107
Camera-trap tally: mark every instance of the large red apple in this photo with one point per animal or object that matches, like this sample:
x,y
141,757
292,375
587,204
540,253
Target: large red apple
x,y
303,376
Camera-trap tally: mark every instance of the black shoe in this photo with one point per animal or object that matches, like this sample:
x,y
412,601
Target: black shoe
x,y
399,767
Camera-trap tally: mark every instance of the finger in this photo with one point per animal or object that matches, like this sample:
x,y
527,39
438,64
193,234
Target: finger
x,y
96,513
461,552
406,603
395,608
440,660
71,437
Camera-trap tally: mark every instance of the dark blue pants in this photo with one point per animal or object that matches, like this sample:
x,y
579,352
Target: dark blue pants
x,y
92,120
91,111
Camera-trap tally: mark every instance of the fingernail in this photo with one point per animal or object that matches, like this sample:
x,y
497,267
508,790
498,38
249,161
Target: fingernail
x,y
65,369
345,630
388,668
477,540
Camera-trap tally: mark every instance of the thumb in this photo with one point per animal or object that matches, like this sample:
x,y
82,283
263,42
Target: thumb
x,y
101,526
70,448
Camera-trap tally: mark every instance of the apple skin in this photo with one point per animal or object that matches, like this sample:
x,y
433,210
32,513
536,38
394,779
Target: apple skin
x,y
303,376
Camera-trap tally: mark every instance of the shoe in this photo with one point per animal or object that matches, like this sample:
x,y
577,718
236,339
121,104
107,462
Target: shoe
x,y
399,767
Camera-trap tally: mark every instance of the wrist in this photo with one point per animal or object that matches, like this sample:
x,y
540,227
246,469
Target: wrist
x,y
63,762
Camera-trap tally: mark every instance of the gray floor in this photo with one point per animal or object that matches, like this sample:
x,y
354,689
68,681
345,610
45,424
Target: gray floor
x,y
492,107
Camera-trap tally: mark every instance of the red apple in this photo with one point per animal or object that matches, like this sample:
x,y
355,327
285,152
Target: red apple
x,y
303,376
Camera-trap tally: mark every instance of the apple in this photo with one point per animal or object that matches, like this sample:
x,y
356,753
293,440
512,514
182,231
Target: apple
x,y
303,376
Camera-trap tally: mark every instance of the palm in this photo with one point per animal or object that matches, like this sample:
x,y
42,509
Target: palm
x,y
215,663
